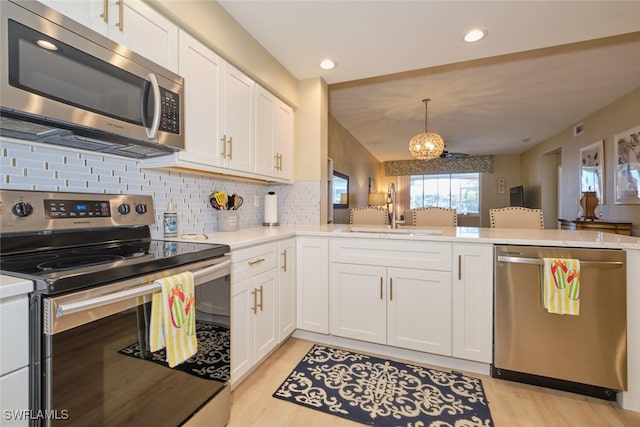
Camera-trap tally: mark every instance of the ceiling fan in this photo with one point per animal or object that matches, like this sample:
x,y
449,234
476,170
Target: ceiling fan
x,y
452,155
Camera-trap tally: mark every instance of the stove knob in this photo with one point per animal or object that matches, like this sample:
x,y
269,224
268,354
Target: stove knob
x,y
124,209
22,209
141,209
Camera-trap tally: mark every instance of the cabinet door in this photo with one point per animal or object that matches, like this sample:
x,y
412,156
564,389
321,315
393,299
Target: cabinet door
x,y
201,69
14,390
283,140
312,284
358,306
419,310
472,302
265,314
145,31
286,290
87,13
241,329
266,157
238,119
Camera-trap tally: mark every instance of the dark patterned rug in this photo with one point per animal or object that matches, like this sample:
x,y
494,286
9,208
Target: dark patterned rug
x,y
382,392
212,361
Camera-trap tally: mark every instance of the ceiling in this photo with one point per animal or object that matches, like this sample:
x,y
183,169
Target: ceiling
x,y
544,65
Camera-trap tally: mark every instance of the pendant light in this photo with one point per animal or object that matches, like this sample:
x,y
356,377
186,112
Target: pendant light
x,y
426,146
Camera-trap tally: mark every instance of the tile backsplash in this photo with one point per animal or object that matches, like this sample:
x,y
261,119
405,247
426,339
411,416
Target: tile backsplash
x,y
29,166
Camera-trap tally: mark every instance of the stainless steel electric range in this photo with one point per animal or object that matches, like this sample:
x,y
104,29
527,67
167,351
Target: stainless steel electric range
x,y
93,263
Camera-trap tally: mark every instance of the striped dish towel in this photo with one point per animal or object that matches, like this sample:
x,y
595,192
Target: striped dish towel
x,y
561,285
173,318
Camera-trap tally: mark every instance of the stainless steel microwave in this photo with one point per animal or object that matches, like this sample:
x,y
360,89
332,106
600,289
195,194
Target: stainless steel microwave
x,y
64,84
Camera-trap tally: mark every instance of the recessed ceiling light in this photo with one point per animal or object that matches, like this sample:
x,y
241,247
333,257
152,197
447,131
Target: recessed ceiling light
x,y
46,45
327,64
475,35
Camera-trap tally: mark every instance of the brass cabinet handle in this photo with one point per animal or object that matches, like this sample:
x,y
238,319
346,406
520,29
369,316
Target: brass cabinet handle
x,y
255,301
230,147
261,298
391,289
275,158
380,287
279,162
224,146
459,267
105,10
256,261
284,263
120,24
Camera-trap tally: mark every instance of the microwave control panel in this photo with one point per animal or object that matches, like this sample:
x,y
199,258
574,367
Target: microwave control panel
x,y
170,114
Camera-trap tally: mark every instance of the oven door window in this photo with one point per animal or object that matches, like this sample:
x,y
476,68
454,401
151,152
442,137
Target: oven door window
x,y
101,373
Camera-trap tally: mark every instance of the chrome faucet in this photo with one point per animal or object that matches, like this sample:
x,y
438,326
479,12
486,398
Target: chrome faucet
x,y
392,196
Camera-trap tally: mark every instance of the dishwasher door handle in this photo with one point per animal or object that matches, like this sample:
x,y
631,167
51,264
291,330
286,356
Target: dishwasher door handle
x,y
538,261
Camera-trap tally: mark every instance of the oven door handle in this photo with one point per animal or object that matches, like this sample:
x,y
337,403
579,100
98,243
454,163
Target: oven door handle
x,y
201,276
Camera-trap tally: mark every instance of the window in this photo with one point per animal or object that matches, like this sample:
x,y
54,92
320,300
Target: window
x,y
460,191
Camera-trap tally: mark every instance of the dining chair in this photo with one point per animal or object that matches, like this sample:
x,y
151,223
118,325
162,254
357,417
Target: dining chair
x,y
435,216
369,216
516,217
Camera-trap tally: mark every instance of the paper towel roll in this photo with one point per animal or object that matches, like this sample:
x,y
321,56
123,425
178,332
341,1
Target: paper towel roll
x,y
271,209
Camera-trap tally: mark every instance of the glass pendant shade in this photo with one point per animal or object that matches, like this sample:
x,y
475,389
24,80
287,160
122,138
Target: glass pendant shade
x,y
427,145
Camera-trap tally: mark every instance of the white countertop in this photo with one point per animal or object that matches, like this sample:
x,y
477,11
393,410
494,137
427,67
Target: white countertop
x,y
547,237
11,286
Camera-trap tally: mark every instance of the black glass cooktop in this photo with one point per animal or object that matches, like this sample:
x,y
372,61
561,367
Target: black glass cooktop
x,y
64,269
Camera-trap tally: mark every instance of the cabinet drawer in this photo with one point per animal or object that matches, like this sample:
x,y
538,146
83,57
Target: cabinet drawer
x,y
255,260
425,255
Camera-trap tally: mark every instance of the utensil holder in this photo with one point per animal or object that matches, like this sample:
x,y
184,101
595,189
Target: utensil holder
x,y
227,220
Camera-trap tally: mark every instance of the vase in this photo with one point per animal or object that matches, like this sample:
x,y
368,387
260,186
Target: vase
x,y
589,202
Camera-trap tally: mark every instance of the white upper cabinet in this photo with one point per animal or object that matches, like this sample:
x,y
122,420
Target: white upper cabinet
x,y
202,71
131,23
237,121
274,136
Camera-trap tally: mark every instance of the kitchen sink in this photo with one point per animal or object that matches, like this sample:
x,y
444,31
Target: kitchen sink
x,y
404,230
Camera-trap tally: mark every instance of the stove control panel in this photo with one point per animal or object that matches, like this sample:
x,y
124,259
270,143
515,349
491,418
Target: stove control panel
x,y
22,211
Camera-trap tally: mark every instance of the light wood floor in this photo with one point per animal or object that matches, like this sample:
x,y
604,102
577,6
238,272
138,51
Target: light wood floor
x,y
512,404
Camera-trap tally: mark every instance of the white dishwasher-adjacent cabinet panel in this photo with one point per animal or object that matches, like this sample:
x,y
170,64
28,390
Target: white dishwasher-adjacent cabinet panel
x,y
312,284
472,293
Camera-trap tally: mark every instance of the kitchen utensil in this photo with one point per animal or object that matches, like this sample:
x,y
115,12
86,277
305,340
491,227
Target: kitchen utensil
x,y
221,198
231,201
238,201
213,202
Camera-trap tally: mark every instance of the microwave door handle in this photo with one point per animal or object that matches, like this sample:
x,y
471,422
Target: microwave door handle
x,y
152,81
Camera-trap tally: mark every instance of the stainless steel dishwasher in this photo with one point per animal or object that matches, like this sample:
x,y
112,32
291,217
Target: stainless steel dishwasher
x,y
586,353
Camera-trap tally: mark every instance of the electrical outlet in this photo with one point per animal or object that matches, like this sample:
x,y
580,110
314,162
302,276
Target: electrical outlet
x,y
256,201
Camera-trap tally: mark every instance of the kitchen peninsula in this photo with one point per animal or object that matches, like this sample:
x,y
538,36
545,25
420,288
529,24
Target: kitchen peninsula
x,y
452,255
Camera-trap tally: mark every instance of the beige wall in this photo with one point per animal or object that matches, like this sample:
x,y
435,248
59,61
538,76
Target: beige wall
x,y
352,159
213,26
616,117
507,167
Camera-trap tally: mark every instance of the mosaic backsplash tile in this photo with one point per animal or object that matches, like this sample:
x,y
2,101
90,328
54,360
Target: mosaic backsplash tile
x,y
28,166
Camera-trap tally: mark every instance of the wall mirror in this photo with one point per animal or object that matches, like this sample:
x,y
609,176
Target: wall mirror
x,y
592,169
340,190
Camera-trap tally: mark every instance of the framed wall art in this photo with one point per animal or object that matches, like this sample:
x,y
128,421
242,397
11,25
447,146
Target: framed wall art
x,y
592,169
627,161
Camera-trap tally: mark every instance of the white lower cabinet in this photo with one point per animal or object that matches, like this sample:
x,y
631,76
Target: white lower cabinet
x,y
406,308
472,292
262,303
14,360
286,289
312,284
